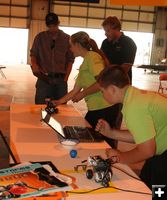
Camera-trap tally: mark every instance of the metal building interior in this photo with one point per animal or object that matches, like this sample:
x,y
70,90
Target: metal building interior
x,y
30,14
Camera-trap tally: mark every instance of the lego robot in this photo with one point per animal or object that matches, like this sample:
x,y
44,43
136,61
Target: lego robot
x,y
101,170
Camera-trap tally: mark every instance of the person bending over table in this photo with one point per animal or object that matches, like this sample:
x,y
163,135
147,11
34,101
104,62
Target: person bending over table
x,y
145,115
86,85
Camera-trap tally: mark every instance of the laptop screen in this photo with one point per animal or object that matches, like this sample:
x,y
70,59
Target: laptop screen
x,y
52,123
43,114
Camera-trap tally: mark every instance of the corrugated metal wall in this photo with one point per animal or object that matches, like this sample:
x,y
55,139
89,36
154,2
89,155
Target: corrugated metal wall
x,y
14,13
91,15
31,14
17,13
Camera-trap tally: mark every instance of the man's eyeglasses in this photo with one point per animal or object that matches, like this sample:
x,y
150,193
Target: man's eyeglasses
x,y
53,44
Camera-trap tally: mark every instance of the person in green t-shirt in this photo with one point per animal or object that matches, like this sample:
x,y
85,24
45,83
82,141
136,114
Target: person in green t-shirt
x,y
86,85
145,116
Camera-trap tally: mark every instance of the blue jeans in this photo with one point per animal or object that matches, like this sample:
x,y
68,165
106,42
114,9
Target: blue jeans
x,y
45,90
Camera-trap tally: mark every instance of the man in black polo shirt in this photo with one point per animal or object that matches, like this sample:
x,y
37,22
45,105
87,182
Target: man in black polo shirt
x,y
118,48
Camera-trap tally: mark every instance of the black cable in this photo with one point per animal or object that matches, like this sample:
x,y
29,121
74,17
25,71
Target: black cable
x,y
133,191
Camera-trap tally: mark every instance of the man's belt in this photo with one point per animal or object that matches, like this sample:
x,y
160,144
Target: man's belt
x,y
56,75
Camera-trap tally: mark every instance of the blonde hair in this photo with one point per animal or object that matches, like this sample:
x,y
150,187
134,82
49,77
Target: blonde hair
x,y
85,41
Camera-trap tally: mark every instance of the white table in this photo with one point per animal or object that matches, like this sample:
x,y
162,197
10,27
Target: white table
x,y
31,140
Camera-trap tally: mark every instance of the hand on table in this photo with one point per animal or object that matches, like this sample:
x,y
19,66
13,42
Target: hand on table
x,y
113,154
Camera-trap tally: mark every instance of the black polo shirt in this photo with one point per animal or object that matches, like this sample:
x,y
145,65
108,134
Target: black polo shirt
x,y
121,51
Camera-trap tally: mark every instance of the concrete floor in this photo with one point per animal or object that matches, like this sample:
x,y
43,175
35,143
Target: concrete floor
x,y
20,84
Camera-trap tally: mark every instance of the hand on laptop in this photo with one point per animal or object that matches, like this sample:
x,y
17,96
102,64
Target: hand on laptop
x,y
56,102
104,128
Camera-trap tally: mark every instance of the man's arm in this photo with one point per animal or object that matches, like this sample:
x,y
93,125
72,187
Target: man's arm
x,y
69,68
121,135
68,96
140,153
129,54
69,61
106,60
95,66
38,71
87,91
34,66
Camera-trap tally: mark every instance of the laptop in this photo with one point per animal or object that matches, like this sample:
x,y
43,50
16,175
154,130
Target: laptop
x,y
80,133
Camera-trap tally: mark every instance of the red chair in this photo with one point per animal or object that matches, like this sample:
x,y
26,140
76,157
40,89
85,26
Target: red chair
x,y
162,78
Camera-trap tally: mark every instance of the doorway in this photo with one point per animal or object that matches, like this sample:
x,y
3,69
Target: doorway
x,y
13,48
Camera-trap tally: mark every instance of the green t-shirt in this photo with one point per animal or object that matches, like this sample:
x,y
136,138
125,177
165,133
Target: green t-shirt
x,y
145,115
92,65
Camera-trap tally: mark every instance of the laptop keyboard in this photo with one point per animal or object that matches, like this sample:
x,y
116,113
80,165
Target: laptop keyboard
x,y
83,134
70,132
80,133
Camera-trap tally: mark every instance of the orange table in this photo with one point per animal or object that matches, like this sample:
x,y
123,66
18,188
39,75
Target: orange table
x,y
31,140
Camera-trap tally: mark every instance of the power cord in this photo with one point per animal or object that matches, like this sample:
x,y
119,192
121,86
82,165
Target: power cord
x,y
124,190
89,191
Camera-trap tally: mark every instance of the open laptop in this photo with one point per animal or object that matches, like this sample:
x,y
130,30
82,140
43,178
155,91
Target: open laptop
x,y
82,134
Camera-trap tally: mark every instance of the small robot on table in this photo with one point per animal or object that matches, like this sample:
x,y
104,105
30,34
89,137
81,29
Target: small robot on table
x,y
100,169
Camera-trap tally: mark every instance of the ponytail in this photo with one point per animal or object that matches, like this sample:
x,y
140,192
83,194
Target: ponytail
x,y
86,42
95,48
